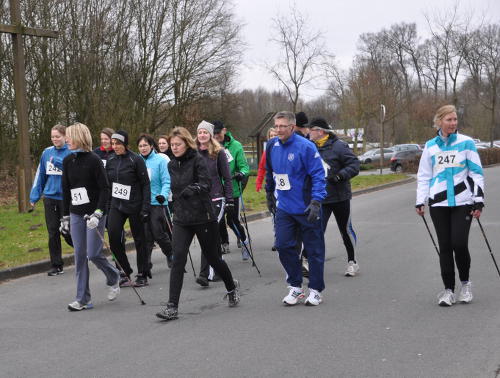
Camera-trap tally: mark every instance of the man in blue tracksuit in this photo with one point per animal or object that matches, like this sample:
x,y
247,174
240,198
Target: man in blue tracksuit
x,y
295,173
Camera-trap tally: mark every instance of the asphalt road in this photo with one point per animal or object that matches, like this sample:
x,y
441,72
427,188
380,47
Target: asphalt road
x,y
383,323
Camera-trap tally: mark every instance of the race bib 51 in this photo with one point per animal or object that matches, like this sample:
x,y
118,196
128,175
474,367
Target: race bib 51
x,y
79,196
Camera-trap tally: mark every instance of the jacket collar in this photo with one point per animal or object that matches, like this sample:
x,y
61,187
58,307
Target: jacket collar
x,y
189,154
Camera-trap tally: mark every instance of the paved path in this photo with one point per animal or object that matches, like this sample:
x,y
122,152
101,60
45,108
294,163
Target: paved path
x,y
383,323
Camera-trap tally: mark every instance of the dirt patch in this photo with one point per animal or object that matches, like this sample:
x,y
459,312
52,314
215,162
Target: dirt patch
x,y
35,226
35,250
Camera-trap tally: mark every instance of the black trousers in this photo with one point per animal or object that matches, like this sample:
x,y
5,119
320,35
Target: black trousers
x,y
156,230
233,223
342,212
182,238
116,221
204,265
53,214
452,226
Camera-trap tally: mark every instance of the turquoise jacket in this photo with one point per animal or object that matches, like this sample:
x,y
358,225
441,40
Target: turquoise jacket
x,y
158,176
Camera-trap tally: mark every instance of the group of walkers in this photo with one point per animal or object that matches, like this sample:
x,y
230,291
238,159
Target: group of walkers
x,y
179,186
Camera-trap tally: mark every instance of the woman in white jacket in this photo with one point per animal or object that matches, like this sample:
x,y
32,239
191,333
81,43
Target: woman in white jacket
x,y
450,178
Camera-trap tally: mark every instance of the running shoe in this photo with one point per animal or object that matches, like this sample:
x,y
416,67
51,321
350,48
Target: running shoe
x,y
55,271
446,298
141,280
244,251
233,296
113,291
202,281
295,295
314,298
125,281
170,312
77,306
352,269
465,295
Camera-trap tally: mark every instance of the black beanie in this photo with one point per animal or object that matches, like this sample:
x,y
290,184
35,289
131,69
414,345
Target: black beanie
x,y
218,126
301,119
122,136
321,123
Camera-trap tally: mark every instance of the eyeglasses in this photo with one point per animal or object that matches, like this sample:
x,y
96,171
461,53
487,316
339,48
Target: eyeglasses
x,y
282,127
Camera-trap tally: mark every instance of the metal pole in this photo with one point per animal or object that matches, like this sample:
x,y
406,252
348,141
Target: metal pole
x,y
382,120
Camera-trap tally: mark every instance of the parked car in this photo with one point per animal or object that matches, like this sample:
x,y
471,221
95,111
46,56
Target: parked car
x,y
373,156
399,159
406,147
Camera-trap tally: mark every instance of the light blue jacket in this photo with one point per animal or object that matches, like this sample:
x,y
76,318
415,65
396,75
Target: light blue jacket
x,y
49,174
158,176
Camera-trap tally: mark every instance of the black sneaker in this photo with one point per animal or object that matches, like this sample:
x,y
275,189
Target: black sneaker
x,y
55,271
233,296
202,281
170,261
168,313
141,280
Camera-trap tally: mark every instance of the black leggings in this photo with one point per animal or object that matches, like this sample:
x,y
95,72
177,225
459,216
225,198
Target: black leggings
x,y
116,221
233,223
342,212
204,265
156,230
452,226
208,238
53,214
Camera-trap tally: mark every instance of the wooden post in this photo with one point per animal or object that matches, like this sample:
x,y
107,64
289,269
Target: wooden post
x,y
17,32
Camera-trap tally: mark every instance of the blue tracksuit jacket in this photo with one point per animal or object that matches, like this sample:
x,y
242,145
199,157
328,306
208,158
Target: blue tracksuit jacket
x,y
158,176
295,170
49,174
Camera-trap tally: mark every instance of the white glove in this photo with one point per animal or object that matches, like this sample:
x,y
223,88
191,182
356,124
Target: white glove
x,y
64,227
93,220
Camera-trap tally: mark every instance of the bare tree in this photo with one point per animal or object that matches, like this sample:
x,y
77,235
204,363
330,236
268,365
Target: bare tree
x,y
302,51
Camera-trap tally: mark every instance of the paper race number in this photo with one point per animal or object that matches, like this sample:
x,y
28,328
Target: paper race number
x,y
51,169
121,191
79,196
282,182
447,159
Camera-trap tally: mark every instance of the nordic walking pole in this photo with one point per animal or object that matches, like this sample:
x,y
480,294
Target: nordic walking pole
x,y
249,252
429,231
245,216
117,263
171,233
488,244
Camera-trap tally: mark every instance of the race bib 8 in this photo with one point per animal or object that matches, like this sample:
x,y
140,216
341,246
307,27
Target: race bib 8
x,y
79,196
51,169
447,159
282,182
121,191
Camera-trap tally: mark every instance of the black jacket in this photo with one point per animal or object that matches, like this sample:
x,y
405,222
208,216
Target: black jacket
x,y
129,169
220,175
84,170
189,173
341,161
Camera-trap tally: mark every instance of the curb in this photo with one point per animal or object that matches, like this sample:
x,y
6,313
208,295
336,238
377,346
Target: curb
x,y
44,265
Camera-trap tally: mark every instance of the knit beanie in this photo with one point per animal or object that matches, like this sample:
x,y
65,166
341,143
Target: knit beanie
x,y
206,126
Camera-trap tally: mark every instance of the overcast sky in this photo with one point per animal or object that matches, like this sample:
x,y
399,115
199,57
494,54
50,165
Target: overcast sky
x,y
342,22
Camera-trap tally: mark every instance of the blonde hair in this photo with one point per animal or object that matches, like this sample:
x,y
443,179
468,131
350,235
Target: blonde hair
x,y
185,135
214,147
269,131
442,112
80,136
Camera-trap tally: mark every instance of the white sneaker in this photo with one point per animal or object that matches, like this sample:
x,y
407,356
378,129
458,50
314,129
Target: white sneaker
x,y
352,269
294,296
113,291
465,295
314,298
446,298
77,306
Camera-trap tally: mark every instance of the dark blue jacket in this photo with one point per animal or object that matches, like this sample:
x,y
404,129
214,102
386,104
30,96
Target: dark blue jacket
x,y
338,159
298,158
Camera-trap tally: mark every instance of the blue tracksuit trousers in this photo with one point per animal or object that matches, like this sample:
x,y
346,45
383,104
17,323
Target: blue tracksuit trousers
x,y
287,226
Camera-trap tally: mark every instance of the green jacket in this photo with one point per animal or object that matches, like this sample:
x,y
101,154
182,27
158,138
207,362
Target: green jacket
x,y
237,160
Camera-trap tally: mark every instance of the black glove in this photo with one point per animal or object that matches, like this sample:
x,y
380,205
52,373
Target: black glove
x,y
271,202
419,206
335,178
190,191
160,199
144,217
238,176
478,206
229,209
312,211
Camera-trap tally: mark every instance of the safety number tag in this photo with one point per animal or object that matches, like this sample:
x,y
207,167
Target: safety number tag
x,y
121,191
282,181
79,196
51,169
447,159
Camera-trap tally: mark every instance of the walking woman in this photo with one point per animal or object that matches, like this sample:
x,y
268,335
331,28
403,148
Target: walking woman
x,y
193,215
48,184
261,171
221,188
105,150
130,199
450,177
85,194
156,226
